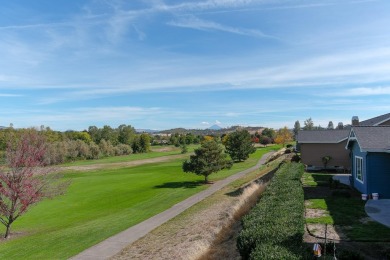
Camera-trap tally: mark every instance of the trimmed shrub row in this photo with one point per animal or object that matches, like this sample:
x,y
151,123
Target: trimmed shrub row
x,y
274,228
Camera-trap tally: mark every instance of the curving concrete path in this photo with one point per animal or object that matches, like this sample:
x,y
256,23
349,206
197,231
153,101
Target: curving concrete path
x,y
116,243
379,210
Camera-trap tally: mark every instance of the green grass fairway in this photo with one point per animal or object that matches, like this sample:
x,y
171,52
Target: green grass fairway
x,y
171,150
102,203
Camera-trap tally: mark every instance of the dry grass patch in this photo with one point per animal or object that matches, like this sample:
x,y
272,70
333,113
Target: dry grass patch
x,y
332,232
316,213
191,236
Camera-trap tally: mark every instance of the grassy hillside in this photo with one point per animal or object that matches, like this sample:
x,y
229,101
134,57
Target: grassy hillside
x,y
102,203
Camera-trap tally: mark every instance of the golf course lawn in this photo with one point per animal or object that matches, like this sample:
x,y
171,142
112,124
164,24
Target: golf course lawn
x,y
133,157
99,204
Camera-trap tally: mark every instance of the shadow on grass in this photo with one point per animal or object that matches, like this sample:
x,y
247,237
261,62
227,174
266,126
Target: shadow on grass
x,y
180,184
346,208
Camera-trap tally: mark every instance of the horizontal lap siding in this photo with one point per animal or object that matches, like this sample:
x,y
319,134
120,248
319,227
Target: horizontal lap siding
x,y
312,154
378,166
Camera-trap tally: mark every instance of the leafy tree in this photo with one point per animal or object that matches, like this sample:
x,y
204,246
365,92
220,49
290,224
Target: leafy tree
x,y
25,180
340,126
255,139
269,132
83,136
297,127
257,135
207,138
174,140
309,124
109,134
52,136
326,160
239,145
182,139
330,125
95,134
189,138
283,136
184,148
208,159
144,141
197,139
126,134
141,143
264,140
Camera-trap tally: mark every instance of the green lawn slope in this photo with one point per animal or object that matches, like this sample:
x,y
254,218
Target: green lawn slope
x,y
99,204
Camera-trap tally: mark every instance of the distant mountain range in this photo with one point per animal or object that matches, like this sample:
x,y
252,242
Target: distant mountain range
x,y
150,131
213,130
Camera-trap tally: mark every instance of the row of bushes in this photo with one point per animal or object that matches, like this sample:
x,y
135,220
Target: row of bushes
x,y
71,150
274,228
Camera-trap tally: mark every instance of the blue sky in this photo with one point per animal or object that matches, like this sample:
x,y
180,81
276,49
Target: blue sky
x,y
160,64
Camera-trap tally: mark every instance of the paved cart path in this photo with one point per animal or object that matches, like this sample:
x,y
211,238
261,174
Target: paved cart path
x,y
116,243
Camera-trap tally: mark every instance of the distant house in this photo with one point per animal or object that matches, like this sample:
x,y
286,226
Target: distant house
x,y
316,144
370,159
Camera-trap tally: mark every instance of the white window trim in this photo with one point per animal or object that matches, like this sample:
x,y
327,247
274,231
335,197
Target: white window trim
x,y
362,175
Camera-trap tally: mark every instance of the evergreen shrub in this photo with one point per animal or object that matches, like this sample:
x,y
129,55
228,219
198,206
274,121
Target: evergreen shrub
x,y
274,228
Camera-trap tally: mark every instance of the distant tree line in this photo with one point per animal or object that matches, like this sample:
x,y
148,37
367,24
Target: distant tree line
x,y
98,142
93,143
176,139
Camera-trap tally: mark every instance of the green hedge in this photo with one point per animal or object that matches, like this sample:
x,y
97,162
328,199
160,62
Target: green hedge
x,y
275,226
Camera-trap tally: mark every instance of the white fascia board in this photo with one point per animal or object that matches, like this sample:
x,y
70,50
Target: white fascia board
x,y
387,119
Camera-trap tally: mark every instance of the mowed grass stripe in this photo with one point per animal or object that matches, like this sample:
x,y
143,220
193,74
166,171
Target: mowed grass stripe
x,y
102,203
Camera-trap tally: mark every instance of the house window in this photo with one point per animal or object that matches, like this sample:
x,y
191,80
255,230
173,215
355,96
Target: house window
x,y
359,168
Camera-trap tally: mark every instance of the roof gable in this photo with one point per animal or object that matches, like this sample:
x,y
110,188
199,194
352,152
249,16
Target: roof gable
x,y
322,136
371,138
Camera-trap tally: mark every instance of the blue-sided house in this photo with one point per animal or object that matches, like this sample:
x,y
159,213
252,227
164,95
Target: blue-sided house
x,y
370,159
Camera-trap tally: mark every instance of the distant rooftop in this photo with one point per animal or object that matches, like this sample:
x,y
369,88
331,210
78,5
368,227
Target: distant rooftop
x,y
322,136
375,120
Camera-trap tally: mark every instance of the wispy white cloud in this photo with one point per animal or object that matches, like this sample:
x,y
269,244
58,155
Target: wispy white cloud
x,y
205,123
361,91
9,95
204,25
34,26
224,6
368,67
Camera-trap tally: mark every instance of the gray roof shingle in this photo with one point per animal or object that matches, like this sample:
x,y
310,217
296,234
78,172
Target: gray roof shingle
x,y
372,138
322,136
375,120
